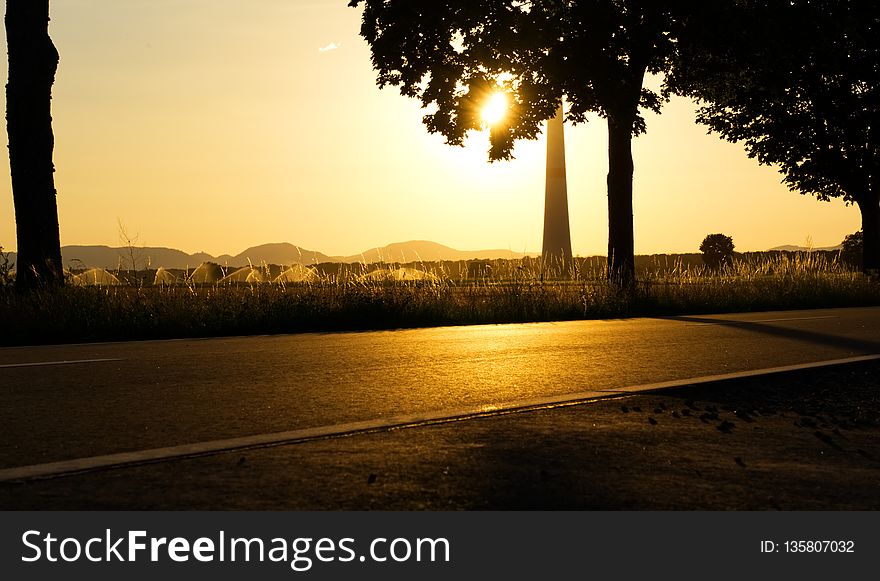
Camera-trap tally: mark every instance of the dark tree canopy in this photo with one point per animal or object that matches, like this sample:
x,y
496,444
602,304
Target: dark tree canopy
x,y
717,250
452,54
798,83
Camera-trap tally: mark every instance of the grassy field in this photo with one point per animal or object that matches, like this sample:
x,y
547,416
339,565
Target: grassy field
x,y
512,291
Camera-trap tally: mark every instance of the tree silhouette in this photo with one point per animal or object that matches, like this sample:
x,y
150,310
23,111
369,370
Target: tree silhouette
x,y
33,61
453,54
717,250
851,249
798,83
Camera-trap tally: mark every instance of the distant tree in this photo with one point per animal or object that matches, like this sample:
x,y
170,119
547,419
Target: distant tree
x,y
453,54
852,248
798,82
132,256
717,250
33,61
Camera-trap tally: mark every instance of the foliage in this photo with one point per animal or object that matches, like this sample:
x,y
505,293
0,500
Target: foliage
x,y
453,54
717,250
797,83
851,249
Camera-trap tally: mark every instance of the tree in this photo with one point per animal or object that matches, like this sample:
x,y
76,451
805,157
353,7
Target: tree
x,y
798,83
851,249
33,61
453,54
717,250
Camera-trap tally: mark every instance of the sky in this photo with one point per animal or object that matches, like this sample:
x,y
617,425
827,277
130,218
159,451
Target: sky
x,y
217,125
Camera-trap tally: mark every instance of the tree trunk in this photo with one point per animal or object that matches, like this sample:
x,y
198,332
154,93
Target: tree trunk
x,y
33,61
621,259
870,209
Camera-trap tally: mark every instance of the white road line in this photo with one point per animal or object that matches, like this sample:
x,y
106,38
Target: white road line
x,y
792,319
43,363
759,321
80,465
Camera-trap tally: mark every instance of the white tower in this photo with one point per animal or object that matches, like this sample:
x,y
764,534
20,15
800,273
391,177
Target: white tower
x,y
557,236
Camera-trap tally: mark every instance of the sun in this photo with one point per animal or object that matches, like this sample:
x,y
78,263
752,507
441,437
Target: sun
x,y
495,109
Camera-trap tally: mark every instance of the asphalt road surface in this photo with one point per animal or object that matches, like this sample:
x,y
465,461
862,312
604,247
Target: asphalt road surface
x,y
75,401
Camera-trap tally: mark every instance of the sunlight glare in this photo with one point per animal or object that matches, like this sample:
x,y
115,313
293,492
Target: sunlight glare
x,y
495,110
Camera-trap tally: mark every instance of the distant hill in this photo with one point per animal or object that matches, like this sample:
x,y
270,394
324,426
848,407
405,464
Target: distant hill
x,y
283,253
152,257
144,257
790,248
424,250
279,253
78,256
81,256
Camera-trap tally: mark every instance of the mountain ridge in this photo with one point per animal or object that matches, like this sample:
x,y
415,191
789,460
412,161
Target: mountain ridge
x,y
794,248
78,256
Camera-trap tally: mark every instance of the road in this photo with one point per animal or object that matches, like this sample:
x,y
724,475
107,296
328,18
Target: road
x,y
65,402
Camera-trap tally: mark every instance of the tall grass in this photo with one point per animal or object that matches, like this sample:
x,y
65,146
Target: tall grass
x,y
511,291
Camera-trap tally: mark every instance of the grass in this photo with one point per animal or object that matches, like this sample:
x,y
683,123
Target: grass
x,y
515,291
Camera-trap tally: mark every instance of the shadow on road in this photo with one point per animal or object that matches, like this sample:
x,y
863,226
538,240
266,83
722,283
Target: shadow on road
x,y
862,346
757,444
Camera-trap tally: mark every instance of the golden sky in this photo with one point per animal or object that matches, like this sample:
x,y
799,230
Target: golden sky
x,y
216,125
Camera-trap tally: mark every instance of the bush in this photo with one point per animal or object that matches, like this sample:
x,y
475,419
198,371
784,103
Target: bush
x,y
717,250
851,250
